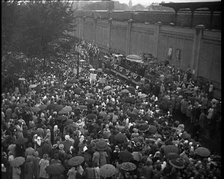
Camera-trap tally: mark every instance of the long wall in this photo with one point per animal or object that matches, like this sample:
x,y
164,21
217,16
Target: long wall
x,y
198,48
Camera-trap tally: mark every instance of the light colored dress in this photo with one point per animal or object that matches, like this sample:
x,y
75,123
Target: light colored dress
x,y
43,164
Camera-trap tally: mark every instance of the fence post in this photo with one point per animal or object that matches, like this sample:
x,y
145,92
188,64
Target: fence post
x,y
128,37
109,33
83,27
199,29
156,37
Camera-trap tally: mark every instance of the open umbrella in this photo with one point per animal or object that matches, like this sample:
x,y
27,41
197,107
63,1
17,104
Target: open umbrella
x,y
18,161
152,129
82,61
202,151
185,135
33,86
68,122
89,95
120,138
125,156
177,163
170,149
21,79
55,169
101,145
99,70
91,69
128,166
171,156
90,101
75,161
77,91
143,127
131,89
83,107
91,116
65,110
35,109
62,118
107,170
42,107
107,88
124,91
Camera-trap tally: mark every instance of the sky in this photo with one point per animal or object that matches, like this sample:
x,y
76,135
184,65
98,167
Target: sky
x,y
148,2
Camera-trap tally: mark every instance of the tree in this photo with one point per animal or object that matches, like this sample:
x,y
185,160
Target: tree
x,y
40,30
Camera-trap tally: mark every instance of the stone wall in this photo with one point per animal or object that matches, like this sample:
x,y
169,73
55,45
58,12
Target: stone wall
x,y
198,49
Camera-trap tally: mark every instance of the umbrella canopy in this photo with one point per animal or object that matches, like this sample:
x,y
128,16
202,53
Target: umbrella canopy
x,y
107,170
125,156
82,61
177,163
101,145
131,89
137,156
185,135
90,101
202,151
120,138
91,116
124,91
171,156
55,169
18,161
135,58
68,122
35,109
170,149
78,91
91,69
107,88
55,107
142,95
75,161
82,107
66,110
143,127
99,70
42,107
33,86
152,129
89,95
62,118
21,79
128,166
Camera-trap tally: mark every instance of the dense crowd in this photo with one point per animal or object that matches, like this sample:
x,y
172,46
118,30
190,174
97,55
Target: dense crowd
x,y
103,128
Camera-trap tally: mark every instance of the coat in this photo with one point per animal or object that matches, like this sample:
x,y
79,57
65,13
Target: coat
x,y
16,171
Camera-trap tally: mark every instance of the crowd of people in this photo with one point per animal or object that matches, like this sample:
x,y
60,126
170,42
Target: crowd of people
x,y
80,128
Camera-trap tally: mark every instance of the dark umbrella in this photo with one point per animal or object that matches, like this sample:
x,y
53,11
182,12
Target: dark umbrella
x,y
125,156
170,149
90,101
128,166
107,170
120,138
131,89
83,107
78,91
43,107
68,122
202,151
91,116
55,169
101,145
152,129
177,163
75,161
61,118
35,109
185,135
171,156
143,127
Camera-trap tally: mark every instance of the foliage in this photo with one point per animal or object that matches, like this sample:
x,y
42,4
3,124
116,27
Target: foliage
x,y
34,32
